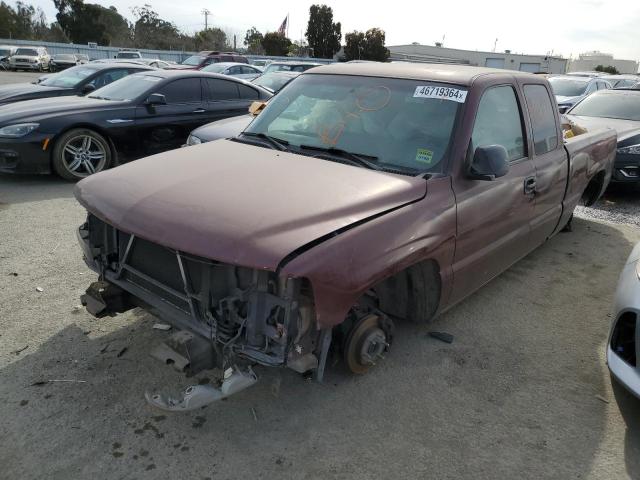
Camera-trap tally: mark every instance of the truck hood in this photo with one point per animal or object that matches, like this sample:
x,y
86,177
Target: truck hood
x,y
624,128
240,204
24,89
225,128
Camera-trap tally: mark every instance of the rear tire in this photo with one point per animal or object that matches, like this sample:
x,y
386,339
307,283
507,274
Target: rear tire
x,y
81,152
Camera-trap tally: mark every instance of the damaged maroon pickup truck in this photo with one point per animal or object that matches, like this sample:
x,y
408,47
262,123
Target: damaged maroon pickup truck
x,y
361,195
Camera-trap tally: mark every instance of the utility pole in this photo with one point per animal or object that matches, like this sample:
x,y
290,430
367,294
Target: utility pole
x,y
206,13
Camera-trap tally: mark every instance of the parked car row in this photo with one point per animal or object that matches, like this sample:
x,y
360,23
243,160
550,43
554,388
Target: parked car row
x,y
596,99
38,59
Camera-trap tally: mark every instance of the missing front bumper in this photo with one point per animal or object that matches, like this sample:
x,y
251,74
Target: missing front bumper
x,y
198,396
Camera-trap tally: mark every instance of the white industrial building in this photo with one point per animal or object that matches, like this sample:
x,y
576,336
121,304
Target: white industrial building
x,y
506,59
589,61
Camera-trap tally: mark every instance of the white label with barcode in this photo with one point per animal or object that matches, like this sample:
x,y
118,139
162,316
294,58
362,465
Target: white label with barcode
x,y
443,93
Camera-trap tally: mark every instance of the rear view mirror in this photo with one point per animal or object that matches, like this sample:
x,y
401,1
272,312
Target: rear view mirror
x,y
489,162
88,88
156,99
563,109
256,107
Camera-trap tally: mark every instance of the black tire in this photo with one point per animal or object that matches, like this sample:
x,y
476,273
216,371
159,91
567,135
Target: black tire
x,y
75,157
424,292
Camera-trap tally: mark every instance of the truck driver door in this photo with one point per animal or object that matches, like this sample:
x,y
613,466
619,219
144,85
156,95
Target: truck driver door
x,y
493,217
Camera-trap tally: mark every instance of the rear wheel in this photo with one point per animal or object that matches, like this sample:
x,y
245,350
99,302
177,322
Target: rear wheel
x,y
81,152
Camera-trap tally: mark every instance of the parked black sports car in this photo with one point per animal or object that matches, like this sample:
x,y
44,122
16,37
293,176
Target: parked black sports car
x,y
232,127
78,80
618,109
138,115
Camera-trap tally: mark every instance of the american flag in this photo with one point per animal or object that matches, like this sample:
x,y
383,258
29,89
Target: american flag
x,y
283,27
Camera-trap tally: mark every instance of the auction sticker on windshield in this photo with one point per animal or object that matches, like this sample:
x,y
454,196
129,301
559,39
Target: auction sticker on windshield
x,y
443,93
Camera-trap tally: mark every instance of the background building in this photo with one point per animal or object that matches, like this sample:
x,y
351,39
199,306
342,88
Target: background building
x,y
506,59
590,60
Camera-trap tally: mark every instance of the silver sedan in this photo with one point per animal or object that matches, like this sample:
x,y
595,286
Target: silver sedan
x,y
238,70
623,348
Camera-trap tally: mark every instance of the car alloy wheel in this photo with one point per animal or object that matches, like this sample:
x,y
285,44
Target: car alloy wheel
x,y
83,155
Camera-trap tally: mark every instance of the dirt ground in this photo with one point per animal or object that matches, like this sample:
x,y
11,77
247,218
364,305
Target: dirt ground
x,y
522,392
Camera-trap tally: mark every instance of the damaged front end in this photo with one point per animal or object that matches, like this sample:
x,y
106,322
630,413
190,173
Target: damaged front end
x,y
241,315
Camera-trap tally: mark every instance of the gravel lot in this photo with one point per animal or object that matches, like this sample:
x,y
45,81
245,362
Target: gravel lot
x,y
522,392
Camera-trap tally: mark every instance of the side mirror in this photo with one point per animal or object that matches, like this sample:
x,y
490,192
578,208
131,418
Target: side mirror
x,y
88,88
156,99
256,107
563,109
489,162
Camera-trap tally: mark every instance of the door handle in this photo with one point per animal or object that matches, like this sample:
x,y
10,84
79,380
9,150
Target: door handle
x,y
530,186
199,110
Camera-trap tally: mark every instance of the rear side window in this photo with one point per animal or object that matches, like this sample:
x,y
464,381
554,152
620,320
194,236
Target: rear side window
x,y
186,90
248,93
222,89
498,122
108,77
543,119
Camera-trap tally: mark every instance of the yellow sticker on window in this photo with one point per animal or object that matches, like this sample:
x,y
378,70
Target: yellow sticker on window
x,y
424,156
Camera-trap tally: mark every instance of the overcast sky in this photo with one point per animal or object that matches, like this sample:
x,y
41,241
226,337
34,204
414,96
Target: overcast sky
x,y
564,27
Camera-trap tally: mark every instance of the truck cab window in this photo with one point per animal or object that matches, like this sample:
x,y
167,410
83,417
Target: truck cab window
x,y
543,119
499,122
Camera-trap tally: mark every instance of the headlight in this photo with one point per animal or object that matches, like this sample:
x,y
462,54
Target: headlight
x,y
18,130
193,140
630,150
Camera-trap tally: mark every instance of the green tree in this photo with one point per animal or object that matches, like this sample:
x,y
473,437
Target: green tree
x,y
374,40
88,22
322,34
253,41
210,39
366,46
275,44
354,45
608,69
151,31
23,22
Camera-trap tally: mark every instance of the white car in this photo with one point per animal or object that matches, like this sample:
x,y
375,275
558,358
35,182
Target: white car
x,y
238,70
30,58
623,348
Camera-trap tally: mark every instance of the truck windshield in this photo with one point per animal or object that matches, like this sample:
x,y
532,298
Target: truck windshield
x,y
568,87
620,104
395,123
